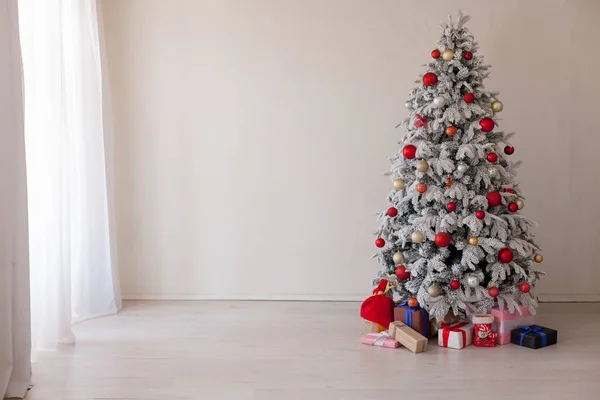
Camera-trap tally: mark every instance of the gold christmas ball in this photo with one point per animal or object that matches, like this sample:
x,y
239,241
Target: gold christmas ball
x,y
421,187
473,240
416,237
422,166
447,55
538,258
497,106
520,203
434,290
398,258
398,184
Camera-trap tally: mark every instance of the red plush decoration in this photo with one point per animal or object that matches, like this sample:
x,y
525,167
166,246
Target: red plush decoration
x,y
494,199
421,122
435,53
378,308
455,284
467,55
513,207
392,212
451,206
409,151
430,79
380,242
509,150
525,287
443,239
402,273
486,124
493,291
492,157
505,255
469,97
509,190
480,214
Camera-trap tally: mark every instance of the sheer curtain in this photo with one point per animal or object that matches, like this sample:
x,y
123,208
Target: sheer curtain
x,y
73,260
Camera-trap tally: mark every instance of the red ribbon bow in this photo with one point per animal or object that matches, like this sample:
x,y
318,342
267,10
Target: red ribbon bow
x,y
446,329
421,122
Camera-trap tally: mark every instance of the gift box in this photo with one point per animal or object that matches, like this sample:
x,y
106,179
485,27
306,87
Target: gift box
x,y
379,339
505,322
455,336
408,337
533,336
415,317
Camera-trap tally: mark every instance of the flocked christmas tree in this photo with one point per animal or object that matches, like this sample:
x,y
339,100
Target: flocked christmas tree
x,y
454,236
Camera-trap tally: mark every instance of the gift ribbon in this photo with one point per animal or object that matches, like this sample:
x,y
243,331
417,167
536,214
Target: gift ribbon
x,y
408,316
533,329
446,329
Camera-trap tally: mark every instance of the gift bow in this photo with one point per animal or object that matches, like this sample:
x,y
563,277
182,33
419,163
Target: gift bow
x,y
421,121
408,316
533,329
446,329
381,338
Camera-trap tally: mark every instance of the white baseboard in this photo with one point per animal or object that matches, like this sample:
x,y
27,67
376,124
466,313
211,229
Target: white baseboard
x,y
569,298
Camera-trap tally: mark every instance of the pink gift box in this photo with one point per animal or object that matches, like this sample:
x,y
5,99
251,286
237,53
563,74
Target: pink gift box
x,y
379,339
504,322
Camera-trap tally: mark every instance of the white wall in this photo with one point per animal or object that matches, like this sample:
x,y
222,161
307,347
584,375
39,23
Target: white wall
x,y
252,136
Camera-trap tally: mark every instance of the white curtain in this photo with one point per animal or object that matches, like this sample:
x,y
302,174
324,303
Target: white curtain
x,y
73,260
15,344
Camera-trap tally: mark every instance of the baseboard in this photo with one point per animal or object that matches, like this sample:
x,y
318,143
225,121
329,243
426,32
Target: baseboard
x,y
569,298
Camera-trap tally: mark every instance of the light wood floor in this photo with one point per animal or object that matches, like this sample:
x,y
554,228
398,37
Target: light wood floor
x,y
305,351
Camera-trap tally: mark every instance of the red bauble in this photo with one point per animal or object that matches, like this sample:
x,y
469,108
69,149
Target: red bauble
x,y
492,157
513,207
486,124
402,273
451,206
443,239
429,79
467,55
525,287
505,255
455,284
509,150
413,302
493,291
380,242
494,199
480,214
469,98
435,53
451,130
421,187
392,212
409,151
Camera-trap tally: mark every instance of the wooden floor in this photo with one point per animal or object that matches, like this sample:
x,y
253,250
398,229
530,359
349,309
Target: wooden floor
x,y
305,351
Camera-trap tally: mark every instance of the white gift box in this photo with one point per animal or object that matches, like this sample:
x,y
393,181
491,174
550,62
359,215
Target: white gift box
x,y
456,336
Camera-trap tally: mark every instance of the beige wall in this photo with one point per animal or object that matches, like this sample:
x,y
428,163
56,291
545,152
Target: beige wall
x,y
252,136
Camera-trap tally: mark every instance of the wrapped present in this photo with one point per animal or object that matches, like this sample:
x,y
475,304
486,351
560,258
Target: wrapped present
x,y
415,317
534,336
379,308
483,334
408,337
505,322
455,336
382,339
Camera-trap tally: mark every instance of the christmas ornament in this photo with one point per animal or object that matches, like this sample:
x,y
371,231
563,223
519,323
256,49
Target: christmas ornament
x,y
486,124
448,182
538,258
525,287
469,98
509,150
416,237
473,240
513,207
409,151
402,273
421,187
443,239
398,258
467,55
408,105
392,212
430,79
505,255
497,106
494,199
398,184
439,102
472,281
492,157
435,53
434,290
379,308
451,206
380,242
422,166
462,167
451,131
484,336
520,203
421,122
447,55
493,172
509,190
413,302
480,214
493,291
455,284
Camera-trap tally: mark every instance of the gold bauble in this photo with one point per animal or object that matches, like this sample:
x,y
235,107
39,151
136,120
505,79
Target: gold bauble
x,y
447,55
520,203
416,237
398,258
497,106
538,258
422,166
473,240
434,290
398,184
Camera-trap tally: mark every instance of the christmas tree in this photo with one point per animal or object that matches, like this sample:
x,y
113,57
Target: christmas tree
x,y
453,236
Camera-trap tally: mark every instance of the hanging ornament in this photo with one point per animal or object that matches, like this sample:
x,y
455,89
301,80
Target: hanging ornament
x,y
398,184
408,105
409,151
494,199
435,53
413,302
513,207
520,203
497,106
443,239
451,206
472,281
467,55
473,240
455,284
462,167
493,172
392,212
505,255
398,258
449,182
416,237
402,273
422,166
480,214
421,187
509,150
486,124
492,157
469,97
439,101
509,190
525,287
430,79
493,291
451,130
538,258
421,122
434,290
447,55
380,242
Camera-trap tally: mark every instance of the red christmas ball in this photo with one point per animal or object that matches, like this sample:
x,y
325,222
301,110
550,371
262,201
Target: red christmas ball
x,y
525,287
380,242
509,150
443,239
435,53
451,206
455,284
513,207
486,124
505,255
467,55
494,199
413,302
469,98
402,273
409,151
392,212
492,157
430,79
493,291
480,214
422,187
